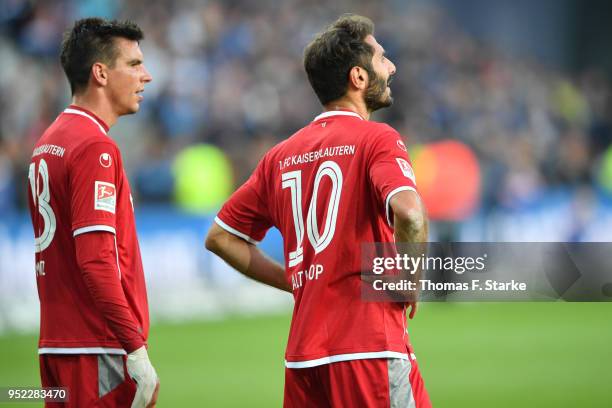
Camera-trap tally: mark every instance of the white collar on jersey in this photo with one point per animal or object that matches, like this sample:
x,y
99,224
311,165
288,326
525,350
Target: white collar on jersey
x,y
336,113
79,112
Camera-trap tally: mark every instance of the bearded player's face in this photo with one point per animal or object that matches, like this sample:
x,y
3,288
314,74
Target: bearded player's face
x,y
378,93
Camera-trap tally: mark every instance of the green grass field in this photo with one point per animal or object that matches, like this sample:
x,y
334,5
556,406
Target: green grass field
x,y
471,355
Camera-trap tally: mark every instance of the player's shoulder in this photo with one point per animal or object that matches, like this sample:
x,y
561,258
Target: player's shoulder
x,y
82,130
293,142
380,128
85,141
380,134
73,134
83,126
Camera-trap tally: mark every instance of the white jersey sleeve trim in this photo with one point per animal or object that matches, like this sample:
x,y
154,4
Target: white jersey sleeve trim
x,y
388,200
81,350
78,112
345,357
92,228
235,231
336,113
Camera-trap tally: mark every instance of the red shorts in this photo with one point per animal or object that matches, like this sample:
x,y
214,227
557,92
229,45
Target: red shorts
x,y
93,380
357,383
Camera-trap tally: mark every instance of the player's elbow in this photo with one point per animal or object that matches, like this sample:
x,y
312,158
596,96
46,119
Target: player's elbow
x,y
410,217
411,225
214,239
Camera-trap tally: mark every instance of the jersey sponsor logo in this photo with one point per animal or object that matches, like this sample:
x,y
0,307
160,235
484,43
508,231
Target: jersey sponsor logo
x,y
401,145
406,169
106,160
106,197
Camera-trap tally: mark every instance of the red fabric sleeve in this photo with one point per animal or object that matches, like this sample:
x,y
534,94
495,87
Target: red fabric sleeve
x,y
95,172
245,214
389,169
97,260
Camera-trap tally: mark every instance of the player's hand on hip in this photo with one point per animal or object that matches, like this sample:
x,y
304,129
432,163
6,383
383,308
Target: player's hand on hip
x,y
142,372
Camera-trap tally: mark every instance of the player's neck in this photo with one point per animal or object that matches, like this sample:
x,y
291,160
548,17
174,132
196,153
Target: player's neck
x,y
346,103
98,106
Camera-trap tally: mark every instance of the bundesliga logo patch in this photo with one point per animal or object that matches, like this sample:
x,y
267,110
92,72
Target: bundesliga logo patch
x,y
106,197
406,169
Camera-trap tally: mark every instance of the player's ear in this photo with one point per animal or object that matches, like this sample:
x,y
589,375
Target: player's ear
x,y
358,78
99,73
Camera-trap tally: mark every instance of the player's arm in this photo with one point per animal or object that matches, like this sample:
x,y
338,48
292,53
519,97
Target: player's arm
x,y
93,225
246,258
410,217
97,259
394,182
411,233
93,219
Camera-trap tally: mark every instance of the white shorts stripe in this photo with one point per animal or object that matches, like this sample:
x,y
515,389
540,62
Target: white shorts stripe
x,y
345,357
235,231
80,350
92,228
400,388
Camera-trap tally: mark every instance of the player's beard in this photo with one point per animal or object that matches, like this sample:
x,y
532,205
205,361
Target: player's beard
x,y
375,94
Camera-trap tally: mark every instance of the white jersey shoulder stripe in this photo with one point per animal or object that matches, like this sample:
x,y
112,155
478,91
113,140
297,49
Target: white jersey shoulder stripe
x,y
235,231
345,357
388,200
80,350
336,113
78,112
92,228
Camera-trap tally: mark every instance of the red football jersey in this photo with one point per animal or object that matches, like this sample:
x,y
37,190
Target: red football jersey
x,y
77,185
327,189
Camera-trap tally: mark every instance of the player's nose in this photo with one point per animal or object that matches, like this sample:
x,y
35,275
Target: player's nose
x,y
146,75
391,67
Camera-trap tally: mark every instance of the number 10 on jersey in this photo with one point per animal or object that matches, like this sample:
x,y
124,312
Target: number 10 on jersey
x,y
319,241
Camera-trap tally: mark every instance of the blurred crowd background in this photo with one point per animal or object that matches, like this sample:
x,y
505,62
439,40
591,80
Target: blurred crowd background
x,y
512,83
506,107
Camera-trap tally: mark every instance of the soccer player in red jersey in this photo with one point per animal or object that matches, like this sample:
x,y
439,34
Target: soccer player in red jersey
x,y
93,300
341,181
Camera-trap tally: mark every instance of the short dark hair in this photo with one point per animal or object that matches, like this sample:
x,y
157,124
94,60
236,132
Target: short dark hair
x,y
89,41
329,58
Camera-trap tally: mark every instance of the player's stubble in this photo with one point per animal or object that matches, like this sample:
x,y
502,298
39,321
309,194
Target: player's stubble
x,y
375,93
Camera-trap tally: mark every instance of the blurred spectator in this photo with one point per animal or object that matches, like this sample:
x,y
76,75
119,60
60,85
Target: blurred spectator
x,y
203,177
